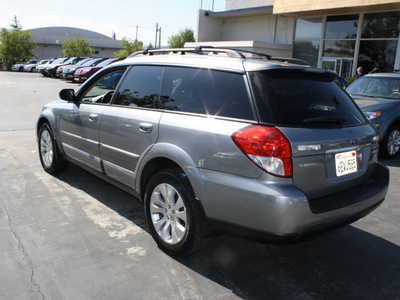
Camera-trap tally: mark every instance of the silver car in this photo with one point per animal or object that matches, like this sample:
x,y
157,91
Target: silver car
x,y
214,141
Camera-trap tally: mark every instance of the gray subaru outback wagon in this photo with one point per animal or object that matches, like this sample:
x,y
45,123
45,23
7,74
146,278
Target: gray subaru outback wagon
x,y
208,137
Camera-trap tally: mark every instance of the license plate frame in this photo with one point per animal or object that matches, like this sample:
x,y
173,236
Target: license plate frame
x,y
346,163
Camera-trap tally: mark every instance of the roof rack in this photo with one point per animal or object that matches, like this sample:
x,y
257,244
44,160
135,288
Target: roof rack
x,y
290,60
231,52
196,50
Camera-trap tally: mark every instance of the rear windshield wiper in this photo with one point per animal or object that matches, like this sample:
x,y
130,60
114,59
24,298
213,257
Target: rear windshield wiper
x,y
330,120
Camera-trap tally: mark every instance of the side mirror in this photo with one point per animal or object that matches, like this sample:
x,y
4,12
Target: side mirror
x,y
67,94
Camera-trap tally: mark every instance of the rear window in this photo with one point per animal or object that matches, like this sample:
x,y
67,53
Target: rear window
x,y
302,99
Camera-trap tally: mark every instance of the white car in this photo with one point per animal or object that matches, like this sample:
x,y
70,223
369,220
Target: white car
x,y
20,67
33,67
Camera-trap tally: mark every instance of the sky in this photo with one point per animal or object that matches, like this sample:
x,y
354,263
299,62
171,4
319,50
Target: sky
x,y
106,17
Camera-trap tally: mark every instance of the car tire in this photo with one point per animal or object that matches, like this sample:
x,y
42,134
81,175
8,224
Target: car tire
x,y
50,157
173,214
390,145
21,69
33,70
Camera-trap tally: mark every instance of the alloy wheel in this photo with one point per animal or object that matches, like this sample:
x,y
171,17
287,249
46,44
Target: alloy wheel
x,y
46,149
393,142
168,213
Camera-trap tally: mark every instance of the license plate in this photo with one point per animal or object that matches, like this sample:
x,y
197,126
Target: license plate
x,y
346,163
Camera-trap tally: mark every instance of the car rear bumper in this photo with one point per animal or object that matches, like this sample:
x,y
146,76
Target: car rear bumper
x,y
281,209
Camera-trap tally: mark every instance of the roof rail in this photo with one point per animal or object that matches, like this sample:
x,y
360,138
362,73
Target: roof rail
x,y
290,60
197,50
231,52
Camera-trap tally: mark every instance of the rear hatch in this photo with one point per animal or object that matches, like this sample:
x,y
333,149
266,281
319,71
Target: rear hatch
x,y
333,147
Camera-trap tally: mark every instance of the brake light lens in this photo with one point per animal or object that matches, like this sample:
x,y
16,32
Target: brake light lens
x,y
267,147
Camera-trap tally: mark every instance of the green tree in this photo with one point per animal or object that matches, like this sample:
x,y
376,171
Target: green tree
x,y
178,40
129,48
16,45
77,47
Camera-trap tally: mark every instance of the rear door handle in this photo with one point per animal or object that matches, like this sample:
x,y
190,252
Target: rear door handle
x,y
93,117
146,127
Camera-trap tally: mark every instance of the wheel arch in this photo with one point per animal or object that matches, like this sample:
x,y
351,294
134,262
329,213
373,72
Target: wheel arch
x,y
49,119
165,156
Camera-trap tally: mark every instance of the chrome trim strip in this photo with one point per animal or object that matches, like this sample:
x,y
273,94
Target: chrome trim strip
x,y
119,150
79,137
344,149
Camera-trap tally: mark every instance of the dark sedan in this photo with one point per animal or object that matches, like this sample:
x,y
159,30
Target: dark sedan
x,y
378,96
83,74
68,73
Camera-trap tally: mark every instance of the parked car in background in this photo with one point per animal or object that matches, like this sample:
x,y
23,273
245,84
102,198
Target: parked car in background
x,y
52,66
39,68
82,74
20,67
378,96
343,83
60,69
211,138
33,67
68,73
52,69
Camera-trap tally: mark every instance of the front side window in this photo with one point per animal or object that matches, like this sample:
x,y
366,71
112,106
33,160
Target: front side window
x,y
204,91
141,87
102,90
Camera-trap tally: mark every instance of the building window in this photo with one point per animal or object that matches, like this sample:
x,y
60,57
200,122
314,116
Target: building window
x,y
381,25
379,41
341,27
307,40
340,36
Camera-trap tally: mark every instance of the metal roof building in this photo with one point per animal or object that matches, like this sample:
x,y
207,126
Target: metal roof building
x,y
50,41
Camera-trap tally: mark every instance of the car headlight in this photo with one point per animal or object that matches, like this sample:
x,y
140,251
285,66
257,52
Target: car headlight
x,y
370,115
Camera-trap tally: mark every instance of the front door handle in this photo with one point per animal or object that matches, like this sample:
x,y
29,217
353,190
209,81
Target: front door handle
x,y
93,117
146,127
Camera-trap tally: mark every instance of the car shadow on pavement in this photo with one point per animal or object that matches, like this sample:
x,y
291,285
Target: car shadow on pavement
x,y
347,263
390,162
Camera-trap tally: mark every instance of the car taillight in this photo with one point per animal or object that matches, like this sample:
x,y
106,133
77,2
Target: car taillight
x,y
267,147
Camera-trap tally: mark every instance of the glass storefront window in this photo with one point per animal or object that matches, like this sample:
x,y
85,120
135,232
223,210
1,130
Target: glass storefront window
x,y
308,28
381,25
341,27
339,48
307,51
379,54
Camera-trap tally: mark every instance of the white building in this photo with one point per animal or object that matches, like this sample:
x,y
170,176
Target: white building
x,y
334,34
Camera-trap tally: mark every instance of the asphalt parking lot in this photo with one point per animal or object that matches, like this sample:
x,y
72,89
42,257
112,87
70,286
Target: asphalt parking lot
x,y
76,237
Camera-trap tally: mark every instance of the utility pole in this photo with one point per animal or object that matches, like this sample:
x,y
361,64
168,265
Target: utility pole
x,y
155,42
137,32
158,35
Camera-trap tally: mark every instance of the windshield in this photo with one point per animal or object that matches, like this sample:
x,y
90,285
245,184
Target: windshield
x,y
106,62
377,87
58,61
70,60
91,62
303,99
80,63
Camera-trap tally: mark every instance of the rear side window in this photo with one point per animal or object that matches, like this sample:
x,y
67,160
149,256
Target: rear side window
x,y
204,91
302,99
141,87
